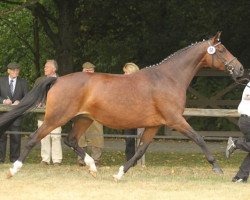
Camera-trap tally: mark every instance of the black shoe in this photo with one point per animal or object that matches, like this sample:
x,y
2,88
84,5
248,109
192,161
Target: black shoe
x,y
236,179
230,147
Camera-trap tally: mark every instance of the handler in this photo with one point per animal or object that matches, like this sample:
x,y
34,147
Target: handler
x,y
243,144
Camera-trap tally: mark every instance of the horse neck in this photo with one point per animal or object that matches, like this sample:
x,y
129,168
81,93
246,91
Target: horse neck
x,y
183,67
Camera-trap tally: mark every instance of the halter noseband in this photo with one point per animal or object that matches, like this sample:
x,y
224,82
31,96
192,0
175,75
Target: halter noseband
x,y
227,65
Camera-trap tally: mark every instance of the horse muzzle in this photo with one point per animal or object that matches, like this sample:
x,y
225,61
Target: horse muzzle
x,y
236,72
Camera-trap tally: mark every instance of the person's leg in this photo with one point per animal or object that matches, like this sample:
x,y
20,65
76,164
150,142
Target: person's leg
x,y
15,144
244,170
130,143
130,148
244,125
46,149
45,146
56,146
95,141
243,144
3,143
96,153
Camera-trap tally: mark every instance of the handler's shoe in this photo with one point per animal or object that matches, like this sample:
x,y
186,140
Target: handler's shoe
x,y
236,179
230,147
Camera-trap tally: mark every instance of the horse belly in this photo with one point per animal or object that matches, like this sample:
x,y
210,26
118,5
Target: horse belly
x,y
121,119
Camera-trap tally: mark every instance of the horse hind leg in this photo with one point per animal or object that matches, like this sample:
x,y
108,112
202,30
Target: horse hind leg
x,y
145,141
35,138
80,125
187,130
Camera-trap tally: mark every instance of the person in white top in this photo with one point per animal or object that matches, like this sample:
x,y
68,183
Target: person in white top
x,y
243,143
51,147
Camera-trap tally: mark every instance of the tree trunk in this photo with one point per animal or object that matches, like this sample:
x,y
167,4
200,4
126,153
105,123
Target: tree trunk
x,y
65,45
60,29
36,45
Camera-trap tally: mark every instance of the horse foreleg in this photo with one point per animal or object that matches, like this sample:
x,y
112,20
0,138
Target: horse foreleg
x,y
187,130
79,127
145,141
200,141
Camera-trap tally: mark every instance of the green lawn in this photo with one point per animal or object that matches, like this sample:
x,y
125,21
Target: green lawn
x,y
166,176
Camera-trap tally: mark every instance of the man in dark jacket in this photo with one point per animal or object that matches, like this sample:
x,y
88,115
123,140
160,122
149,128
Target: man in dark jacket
x,y
12,90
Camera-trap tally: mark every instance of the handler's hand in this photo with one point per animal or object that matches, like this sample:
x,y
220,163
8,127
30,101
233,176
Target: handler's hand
x,y
7,102
16,102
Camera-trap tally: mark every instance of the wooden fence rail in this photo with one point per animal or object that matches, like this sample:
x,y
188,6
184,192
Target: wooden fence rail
x,y
208,135
205,112
200,112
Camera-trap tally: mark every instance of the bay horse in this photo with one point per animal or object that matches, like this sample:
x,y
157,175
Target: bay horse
x,y
150,98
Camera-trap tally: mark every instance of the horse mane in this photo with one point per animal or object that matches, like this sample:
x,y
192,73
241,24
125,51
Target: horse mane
x,y
177,53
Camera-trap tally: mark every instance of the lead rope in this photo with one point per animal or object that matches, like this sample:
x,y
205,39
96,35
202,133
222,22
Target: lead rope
x,y
239,81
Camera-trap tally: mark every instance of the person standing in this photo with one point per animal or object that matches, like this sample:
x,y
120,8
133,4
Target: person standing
x,y
243,143
51,146
130,147
92,141
12,90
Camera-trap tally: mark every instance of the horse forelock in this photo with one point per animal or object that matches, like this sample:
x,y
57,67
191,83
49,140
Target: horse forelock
x,y
177,53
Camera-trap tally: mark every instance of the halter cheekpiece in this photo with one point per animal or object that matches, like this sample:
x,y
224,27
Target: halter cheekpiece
x,y
212,50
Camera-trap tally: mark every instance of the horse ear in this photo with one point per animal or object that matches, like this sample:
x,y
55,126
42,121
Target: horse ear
x,y
216,38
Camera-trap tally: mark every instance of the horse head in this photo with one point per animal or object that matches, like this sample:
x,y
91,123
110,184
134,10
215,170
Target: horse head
x,y
219,57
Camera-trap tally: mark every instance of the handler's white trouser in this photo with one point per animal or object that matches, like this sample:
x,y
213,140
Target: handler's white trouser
x,y
51,147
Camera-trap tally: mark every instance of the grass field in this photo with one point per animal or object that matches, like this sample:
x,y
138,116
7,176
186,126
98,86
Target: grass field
x,y
166,176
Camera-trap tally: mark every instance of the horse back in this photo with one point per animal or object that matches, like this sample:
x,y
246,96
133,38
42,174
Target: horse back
x,y
117,101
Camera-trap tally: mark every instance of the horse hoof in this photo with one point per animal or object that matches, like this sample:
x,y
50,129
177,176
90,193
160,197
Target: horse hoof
x,y
9,175
116,178
94,174
218,170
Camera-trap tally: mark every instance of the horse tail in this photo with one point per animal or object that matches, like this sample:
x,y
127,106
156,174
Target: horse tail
x,y
30,100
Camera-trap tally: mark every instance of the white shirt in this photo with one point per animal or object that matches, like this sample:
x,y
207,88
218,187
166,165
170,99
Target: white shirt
x,y
14,82
244,106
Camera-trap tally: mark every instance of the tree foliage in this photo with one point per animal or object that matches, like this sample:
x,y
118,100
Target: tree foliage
x,y
111,33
